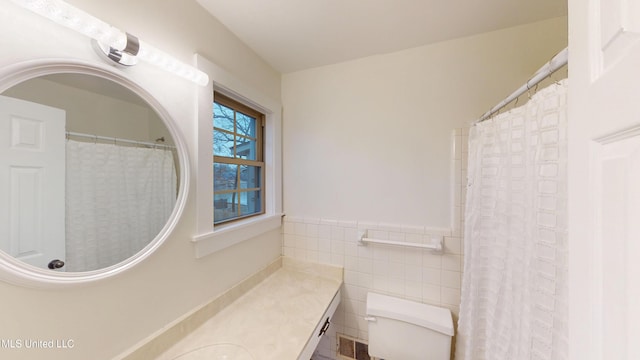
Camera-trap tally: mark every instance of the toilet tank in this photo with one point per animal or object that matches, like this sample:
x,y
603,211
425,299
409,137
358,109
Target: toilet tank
x,y
406,330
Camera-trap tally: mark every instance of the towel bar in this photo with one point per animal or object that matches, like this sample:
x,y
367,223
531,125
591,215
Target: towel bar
x,y
436,245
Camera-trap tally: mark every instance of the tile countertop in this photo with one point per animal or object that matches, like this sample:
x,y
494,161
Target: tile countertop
x,y
274,320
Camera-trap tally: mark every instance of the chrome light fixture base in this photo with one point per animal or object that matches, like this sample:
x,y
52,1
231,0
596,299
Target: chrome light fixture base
x,y
126,57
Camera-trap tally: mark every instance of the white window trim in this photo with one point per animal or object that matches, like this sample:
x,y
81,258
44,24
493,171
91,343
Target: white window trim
x,y
209,239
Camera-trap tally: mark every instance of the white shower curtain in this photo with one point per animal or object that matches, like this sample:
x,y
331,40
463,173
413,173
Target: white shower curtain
x,y
515,290
118,198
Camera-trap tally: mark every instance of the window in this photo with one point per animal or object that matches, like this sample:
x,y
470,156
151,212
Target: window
x,y
212,233
238,160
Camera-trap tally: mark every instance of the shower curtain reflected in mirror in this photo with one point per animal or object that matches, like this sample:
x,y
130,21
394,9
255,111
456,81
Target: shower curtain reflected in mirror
x,y
515,290
118,199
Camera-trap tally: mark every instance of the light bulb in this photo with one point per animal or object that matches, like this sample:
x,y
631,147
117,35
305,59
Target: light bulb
x,y
167,62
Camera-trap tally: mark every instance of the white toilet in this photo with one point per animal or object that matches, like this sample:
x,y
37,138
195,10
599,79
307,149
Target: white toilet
x,y
406,330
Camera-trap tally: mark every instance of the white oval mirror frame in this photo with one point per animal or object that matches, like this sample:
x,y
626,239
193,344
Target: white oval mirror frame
x,y
17,272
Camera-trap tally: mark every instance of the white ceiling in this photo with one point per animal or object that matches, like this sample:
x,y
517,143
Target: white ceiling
x,y
294,35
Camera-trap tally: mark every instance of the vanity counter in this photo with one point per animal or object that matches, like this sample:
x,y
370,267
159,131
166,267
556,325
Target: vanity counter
x,y
273,320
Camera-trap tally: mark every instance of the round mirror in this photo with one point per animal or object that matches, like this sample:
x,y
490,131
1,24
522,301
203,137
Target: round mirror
x,y
92,173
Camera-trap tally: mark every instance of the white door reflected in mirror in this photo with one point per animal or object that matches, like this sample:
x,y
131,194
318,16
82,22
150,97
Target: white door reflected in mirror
x,y
32,182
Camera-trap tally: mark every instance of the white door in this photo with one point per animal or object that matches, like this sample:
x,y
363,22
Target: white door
x,y
32,181
604,179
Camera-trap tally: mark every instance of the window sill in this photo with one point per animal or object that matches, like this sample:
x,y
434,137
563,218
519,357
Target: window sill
x,y
230,234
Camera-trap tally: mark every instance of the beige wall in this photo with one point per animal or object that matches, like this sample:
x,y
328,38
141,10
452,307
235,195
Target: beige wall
x,y
108,317
370,139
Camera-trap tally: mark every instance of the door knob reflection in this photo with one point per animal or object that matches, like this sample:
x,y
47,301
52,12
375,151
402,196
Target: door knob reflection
x,y
55,264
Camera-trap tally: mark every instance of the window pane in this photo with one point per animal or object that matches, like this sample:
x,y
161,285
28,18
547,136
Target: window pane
x,y
222,117
246,125
224,207
249,176
247,149
225,177
222,144
250,202
237,137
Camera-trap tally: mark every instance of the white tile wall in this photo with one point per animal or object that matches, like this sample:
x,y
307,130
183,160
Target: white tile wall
x,y
417,275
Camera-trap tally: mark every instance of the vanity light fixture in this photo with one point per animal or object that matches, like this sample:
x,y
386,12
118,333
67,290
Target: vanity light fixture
x,y
118,46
